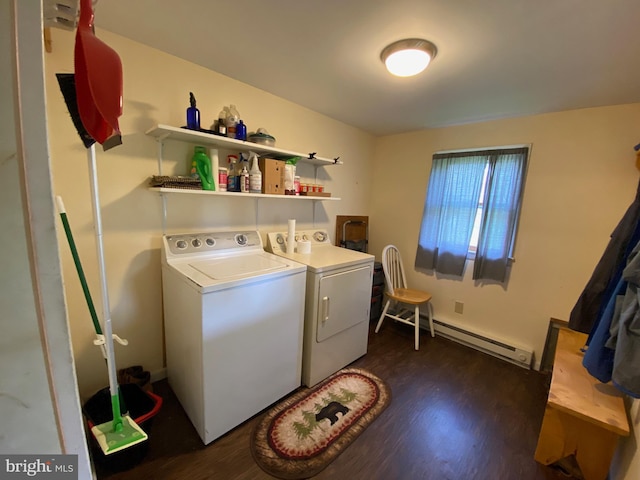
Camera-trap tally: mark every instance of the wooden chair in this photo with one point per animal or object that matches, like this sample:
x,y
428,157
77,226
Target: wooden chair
x,y
398,292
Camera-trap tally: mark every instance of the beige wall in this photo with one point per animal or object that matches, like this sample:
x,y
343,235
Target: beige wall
x,y
581,178
156,90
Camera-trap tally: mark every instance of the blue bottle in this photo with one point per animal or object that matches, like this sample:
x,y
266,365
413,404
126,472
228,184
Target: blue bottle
x,y
193,114
241,131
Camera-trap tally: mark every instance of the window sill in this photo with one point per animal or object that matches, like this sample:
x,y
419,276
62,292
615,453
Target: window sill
x,y
471,255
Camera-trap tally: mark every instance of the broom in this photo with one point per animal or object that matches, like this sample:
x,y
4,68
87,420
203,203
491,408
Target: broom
x,y
122,432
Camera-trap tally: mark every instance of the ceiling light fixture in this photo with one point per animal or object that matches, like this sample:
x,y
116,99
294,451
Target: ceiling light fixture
x,y
408,57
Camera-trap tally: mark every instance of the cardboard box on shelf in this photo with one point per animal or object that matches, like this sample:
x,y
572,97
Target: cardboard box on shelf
x,y
272,175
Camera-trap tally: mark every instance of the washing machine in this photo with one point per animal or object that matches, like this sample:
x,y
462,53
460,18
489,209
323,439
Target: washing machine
x,y
233,318
338,299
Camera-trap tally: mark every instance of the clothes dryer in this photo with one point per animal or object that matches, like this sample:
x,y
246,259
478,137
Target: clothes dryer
x,y
338,300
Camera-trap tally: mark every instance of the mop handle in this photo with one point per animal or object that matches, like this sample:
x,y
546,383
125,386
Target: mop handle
x,y
108,334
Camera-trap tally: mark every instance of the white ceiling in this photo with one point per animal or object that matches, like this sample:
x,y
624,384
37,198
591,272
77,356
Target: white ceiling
x,y
496,58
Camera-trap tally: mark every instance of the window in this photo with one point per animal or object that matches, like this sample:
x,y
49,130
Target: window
x,y
466,188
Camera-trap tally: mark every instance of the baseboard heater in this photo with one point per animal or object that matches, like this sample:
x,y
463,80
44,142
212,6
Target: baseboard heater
x,y
510,353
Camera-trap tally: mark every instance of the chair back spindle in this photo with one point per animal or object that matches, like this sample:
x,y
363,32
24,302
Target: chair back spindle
x,y
393,270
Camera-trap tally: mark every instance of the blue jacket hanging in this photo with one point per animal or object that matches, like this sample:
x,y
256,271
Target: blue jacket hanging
x,y
614,350
598,359
626,333
592,301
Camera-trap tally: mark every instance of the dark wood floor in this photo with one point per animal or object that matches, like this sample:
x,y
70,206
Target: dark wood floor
x,y
455,414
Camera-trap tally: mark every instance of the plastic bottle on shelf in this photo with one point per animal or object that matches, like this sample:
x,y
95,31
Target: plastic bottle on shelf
x,y
244,179
222,179
203,167
255,175
233,117
221,123
290,175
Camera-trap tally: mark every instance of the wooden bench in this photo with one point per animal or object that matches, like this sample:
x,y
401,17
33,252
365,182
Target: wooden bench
x,y
583,416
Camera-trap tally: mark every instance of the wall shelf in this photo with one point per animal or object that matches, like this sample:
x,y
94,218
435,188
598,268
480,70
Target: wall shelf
x,y
186,191
162,132
165,132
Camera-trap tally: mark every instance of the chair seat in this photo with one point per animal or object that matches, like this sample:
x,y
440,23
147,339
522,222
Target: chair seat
x,y
410,296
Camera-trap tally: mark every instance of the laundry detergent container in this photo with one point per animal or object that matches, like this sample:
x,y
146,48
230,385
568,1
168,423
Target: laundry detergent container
x,y
142,407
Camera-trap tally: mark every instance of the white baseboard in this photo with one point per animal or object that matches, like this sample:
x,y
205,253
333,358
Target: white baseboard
x,y
158,375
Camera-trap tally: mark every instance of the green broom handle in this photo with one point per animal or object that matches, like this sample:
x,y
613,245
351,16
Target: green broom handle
x,y
122,406
76,261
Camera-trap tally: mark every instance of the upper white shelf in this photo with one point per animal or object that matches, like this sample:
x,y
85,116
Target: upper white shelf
x,y
207,139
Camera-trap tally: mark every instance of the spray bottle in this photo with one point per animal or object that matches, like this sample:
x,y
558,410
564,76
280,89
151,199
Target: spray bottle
x,y
255,175
233,185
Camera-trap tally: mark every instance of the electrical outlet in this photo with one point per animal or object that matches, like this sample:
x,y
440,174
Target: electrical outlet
x,y
458,307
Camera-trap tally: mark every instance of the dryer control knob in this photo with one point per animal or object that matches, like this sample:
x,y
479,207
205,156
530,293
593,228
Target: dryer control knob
x,y
241,239
181,244
320,236
196,242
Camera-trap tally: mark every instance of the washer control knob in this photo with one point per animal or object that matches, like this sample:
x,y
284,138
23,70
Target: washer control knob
x,y
181,244
210,242
241,239
196,242
279,239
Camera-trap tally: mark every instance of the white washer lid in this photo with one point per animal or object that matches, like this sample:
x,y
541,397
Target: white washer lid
x,y
237,267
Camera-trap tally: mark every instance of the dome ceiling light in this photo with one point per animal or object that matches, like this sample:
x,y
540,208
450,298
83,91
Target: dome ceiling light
x,y
408,57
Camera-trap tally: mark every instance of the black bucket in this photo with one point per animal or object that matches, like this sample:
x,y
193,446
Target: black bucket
x,y
142,407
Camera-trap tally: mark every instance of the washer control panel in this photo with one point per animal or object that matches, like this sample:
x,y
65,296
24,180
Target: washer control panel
x,y
192,243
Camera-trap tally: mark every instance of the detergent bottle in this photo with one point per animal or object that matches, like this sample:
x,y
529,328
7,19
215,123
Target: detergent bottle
x,y
203,167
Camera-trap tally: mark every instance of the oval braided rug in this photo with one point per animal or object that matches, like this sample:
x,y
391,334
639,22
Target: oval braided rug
x,y
304,433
